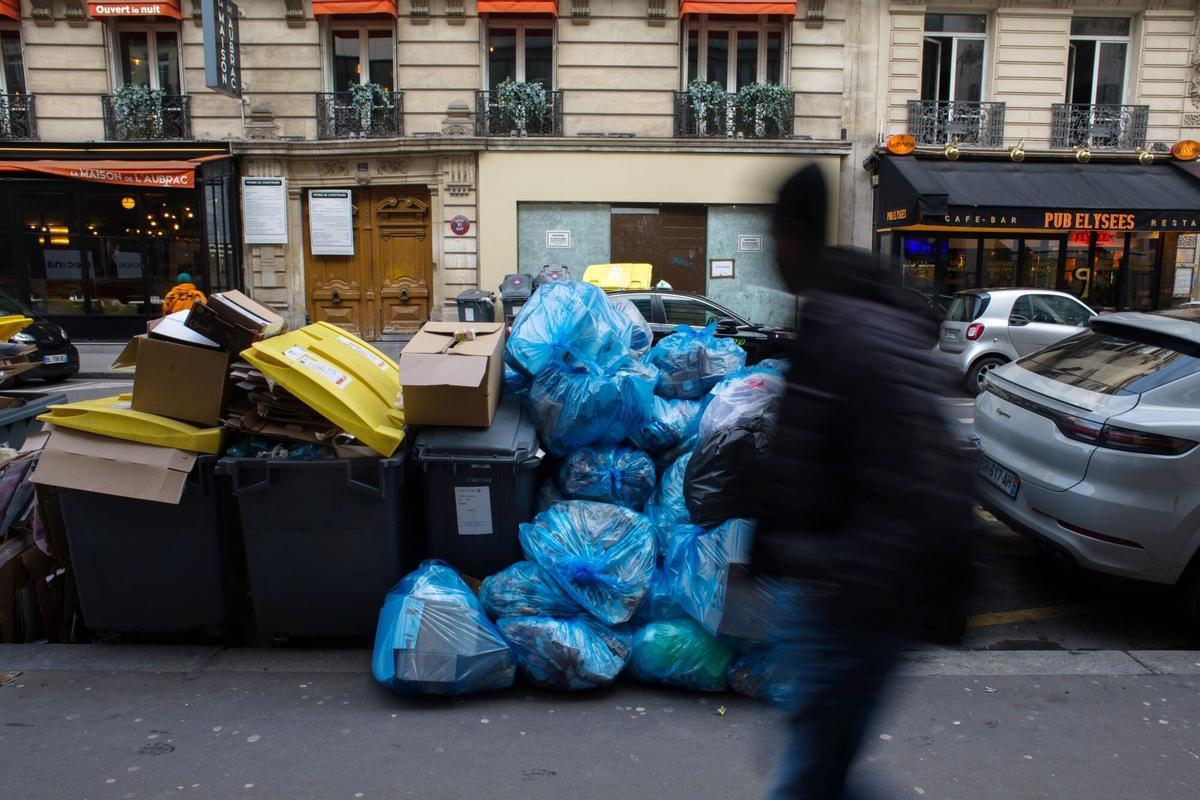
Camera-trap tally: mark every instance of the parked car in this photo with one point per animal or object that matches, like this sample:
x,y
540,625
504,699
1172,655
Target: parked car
x,y
1090,446
665,309
985,328
59,358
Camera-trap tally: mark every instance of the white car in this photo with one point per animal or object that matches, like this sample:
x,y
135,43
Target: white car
x,y
1090,446
985,328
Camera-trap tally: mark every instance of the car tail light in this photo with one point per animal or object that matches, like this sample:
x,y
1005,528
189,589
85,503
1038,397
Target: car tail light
x,y
1142,442
1077,428
974,331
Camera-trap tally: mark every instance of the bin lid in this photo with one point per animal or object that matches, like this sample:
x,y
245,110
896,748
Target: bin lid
x,y
475,295
611,277
12,324
341,377
516,287
114,417
511,437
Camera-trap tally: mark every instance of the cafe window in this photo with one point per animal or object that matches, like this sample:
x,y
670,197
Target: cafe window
x,y
1097,60
1039,258
521,52
735,50
147,56
919,263
961,265
999,262
952,57
12,77
1143,264
360,54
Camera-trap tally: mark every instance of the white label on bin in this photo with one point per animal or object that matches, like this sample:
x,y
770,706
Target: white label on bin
x,y
364,352
323,368
469,313
474,507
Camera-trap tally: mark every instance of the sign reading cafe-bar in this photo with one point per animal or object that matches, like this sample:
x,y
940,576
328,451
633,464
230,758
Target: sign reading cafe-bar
x,y
1069,220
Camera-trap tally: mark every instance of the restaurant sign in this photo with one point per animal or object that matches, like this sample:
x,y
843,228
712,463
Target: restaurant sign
x,y
1068,219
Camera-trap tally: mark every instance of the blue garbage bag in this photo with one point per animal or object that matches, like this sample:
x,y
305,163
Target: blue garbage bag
x,y
577,403
567,317
603,555
765,673
609,474
659,602
574,653
516,383
667,508
680,653
691,362
670,424
698,563
434,638
550,494
525,590
641,337
740,399
781,365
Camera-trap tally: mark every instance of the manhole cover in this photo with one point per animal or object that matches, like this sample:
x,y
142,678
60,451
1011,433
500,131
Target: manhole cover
x,y
156,749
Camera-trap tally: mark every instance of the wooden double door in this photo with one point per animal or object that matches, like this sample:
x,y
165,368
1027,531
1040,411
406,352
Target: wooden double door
x,y
385,287
671,237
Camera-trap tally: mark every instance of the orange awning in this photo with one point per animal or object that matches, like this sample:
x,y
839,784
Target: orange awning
x,y
736,7
177,174
157,8
518,7
328,7
10,9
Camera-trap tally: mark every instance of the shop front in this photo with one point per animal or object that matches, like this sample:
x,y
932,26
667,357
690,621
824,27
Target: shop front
x,y
1107,233
94,237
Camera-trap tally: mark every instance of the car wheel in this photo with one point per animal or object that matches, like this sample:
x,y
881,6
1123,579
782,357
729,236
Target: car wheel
x,y
979,371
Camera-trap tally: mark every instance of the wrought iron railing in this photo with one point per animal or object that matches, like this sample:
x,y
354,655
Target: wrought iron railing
x,y
172,119
725,120
492,119
338,117
937,122
1098,127
17,120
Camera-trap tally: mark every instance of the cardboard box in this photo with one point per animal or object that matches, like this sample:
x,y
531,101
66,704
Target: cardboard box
x,y
176,380
449,383
234,321
90,463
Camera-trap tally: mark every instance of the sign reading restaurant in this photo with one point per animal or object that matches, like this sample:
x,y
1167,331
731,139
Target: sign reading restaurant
x,y
1068,220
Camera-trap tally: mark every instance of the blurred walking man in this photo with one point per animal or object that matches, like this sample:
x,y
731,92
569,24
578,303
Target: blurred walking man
x,y
861,503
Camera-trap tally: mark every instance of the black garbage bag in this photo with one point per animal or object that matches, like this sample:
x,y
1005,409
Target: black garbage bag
x,y
714,484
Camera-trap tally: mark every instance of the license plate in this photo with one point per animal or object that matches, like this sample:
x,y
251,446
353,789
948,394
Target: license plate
x,y
62,359
1003,479
950,335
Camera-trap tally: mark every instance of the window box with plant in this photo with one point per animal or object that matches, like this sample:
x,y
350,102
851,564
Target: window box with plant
x,y
519,108
366,110
136,112
756,111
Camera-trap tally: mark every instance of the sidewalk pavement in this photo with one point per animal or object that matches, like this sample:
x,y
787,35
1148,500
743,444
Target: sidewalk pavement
x,y
80,721
96,358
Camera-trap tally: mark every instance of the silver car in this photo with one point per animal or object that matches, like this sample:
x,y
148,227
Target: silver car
x,y
1090,446
985,328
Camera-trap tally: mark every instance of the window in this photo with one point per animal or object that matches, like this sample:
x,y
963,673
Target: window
x,y
1048,309
689,312
148,57
968,307
360,54
522,52
1040,258
952,57
1129,362
1097,60
643,306
961,265
999,262
12,77
735,51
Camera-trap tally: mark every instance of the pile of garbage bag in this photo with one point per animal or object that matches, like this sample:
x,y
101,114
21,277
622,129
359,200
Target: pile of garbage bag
x,y
525,590
577,402
667,508
659,602
764,673
641,337
691,362
568,318
744,398
680,653
698,563
609,474
671,423
433,637
716,473
572,653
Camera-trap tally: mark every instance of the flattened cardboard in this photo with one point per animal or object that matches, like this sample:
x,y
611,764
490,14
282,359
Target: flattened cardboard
x,y
181,382
173,328
234,320
448,383
83,461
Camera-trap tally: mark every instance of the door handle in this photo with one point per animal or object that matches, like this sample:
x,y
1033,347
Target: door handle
x,y
404,295
337,299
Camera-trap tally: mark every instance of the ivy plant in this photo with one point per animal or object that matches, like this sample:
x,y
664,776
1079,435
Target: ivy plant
x,y
365,98
522,103
763,103
707,99
139,110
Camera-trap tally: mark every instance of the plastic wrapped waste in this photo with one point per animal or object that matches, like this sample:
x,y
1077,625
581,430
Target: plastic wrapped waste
x,y
670,424
714,483
603,555
516,383
550,494
609,474
742,398
434,638
567,318
659,602
680,653
666,509
691,362
697,566
641,337
781,365
574,653
764,673
578,403
525,590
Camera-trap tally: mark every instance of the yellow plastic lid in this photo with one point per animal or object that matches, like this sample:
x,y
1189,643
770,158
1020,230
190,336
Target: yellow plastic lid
x,y
341,377
13,324
611,277
115,417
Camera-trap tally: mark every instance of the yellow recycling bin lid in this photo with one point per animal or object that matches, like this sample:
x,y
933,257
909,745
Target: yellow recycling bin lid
x,y
12,324
115,417
341,377
611,277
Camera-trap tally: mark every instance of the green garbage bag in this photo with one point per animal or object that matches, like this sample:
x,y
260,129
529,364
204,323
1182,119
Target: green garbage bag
x,y
680,653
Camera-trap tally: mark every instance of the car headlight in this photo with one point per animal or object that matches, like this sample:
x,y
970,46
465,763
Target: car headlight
x,y
66,337
23,338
